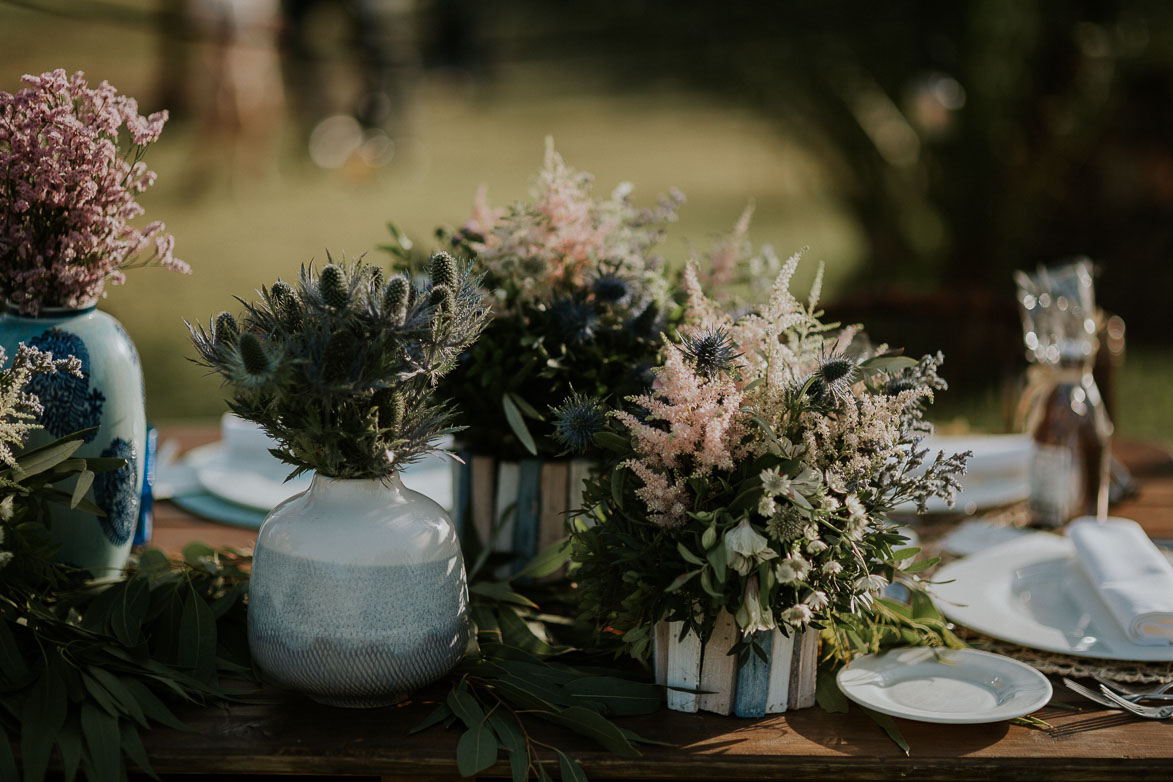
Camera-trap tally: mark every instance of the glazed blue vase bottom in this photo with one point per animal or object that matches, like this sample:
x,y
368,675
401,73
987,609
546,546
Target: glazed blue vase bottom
x,y
356,636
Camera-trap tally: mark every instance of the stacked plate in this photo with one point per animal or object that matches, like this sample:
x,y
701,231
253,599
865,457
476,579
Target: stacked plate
x,y
237,481
997,474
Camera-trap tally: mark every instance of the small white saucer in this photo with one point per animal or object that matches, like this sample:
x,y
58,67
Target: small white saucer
x,y
257,482
951,686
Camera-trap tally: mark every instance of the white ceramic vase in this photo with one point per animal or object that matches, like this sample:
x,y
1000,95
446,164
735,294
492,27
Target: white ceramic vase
x,y
358,592
783,682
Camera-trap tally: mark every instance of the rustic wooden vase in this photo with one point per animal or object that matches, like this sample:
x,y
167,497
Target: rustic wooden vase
x,y
527,501
784,683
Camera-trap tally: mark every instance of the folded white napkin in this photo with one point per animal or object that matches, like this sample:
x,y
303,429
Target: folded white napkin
x,y
1132,576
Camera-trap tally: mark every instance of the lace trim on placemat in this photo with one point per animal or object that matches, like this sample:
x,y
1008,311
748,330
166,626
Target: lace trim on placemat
x,y
1066,665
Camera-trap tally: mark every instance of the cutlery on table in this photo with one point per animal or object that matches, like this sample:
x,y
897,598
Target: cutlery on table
x,y
1091,695
1148,712
1160,692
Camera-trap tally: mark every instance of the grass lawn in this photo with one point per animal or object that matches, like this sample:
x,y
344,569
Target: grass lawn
x,y
242,231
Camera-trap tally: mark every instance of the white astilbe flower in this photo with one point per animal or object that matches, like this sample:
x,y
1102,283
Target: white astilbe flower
x,y
18,408
747,549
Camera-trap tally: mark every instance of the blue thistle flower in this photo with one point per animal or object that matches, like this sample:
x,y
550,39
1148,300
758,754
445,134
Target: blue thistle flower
x,y
574,320
612,289
226,331
332,284
710,352
833,379
576,422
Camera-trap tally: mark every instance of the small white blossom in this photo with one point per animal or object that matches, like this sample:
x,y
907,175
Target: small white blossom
x,y
774,482
791,570
855,508
747,548
832,568
766,506
798,615
816,547
870,583
817,600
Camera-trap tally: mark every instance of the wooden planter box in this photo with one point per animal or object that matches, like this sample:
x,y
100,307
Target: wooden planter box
x,y
527,501
784,683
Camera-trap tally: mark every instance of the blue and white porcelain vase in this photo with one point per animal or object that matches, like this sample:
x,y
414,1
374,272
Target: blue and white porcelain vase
x,y
358,594
109,395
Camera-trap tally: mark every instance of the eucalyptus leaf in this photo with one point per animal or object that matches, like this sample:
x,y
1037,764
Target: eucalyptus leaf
x,y
465,706
620,697
569,769
114,685
33,462
525,407
85,479
497,590
197,638
7,759
153,708
41,720
889,726
476,750
547,561
103,739
132,745
595,727
827,693
130,610
517,424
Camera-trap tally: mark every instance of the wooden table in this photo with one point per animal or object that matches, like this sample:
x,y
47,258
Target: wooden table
x,y
287,734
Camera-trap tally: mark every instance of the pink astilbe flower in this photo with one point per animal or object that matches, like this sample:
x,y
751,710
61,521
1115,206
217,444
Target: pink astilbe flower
x,y
67,196
554,244
694,425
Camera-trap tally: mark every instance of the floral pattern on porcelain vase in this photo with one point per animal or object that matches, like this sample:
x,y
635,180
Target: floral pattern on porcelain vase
x,y
109,395
358,594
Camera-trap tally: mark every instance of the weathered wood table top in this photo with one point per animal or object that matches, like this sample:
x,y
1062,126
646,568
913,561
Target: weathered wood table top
x,y
284,733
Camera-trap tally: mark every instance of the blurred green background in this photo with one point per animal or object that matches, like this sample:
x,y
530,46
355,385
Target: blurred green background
x,y
924,151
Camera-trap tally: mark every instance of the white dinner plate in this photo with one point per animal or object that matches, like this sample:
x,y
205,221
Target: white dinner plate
x,y
254,481
259,483
1031,591
997,474
953,686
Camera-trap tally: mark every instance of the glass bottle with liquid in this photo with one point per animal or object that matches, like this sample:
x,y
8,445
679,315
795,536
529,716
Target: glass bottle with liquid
x,y
1069,476
1062,408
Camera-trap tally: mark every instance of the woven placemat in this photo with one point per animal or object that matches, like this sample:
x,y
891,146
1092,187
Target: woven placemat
x,y
1066,665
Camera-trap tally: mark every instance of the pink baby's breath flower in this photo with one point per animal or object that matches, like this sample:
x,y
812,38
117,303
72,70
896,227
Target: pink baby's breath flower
x,y
67,194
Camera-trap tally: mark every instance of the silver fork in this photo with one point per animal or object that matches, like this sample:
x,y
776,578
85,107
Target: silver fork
x,y
1148,712
1091,695
1132,694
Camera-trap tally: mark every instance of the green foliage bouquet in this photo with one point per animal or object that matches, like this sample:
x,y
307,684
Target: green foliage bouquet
x,y
342,369
755,477
579,300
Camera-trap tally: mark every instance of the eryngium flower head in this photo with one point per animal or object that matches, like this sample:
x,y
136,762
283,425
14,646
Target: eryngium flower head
x,y
396,297
442,298
612,289
333,286
226,331
392,407
442,270
375,275
710,352
833,379
574,320
576,422
255,363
